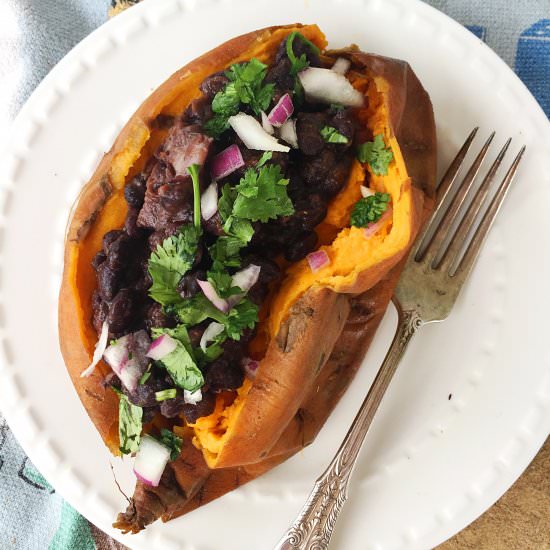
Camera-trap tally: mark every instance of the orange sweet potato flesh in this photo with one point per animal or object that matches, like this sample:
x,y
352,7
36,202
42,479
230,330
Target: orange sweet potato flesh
x,y
317,327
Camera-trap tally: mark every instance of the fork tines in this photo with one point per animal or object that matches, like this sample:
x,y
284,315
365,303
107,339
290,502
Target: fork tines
x,y
440,243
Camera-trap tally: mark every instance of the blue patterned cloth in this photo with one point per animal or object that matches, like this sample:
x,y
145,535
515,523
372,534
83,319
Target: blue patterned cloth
x,y
34,35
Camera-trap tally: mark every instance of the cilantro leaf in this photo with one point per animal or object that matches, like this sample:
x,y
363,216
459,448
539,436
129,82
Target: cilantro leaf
x,y
243,315
369,209
172,441
180,363
331,135
298,64
145,376
240,228
262,195
245,87
195,310
222,282
225,252
170,261
376,154
247,79
129,425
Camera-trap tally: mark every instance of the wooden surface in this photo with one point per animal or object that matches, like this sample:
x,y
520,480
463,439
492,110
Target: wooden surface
x,y
520,520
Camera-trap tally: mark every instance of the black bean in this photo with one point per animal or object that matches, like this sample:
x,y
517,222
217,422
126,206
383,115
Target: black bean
x,y
223,375
112,380
188,286
121,252
308,129
310,212
131,226
108,281
204,407
100,310
109,238
134,192
195,334
213,84
99,258
122,311
301,247
155,317
214,225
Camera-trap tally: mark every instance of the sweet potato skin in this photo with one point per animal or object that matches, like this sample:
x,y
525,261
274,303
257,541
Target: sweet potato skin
x,y
269,432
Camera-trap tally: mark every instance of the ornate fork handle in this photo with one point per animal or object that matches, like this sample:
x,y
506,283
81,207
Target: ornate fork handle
x,y
315,523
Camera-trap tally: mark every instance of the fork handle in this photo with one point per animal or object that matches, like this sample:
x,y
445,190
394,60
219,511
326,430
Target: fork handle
x,y
313,527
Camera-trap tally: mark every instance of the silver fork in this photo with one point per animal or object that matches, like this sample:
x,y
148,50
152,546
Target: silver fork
x,y
438,265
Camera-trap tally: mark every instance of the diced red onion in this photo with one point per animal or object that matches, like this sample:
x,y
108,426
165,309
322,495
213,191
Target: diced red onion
x,y
317,260
280,113
192,398
226,162
253,135
329,87
341,65
366,191
100,348
209,201
118,358
161,347
288,133
212,330
373,227
245,279
250,366
266,125
116,355
151,459
212,295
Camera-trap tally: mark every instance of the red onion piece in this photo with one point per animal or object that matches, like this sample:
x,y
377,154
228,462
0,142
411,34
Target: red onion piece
x,y
329,87
151,459
116,355
373,227
212,295
341,65
317,260
245,279
209,201
288,133
212,330
253,135
266,125
226,162
161,347
366,191
192,398
100,348
250,366
280,113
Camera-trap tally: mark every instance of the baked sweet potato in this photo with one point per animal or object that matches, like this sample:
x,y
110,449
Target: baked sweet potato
x,y
315,326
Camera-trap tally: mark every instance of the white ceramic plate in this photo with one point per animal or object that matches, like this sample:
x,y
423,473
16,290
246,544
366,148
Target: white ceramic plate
x,y
433,461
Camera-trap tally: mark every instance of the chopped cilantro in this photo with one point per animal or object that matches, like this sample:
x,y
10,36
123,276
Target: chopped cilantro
x,y
245,87
163,395
298,64
129,425
233,225
369,209
172,441
195,310
376,154
180,363
225,252
262,195
243,315
331,135
170,261
194,170
222,282
145,376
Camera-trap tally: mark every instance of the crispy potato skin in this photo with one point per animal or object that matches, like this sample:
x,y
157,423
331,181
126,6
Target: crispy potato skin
x,y
318,348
